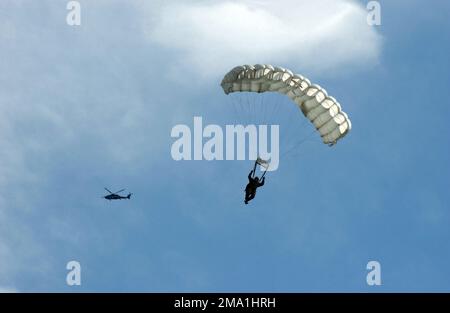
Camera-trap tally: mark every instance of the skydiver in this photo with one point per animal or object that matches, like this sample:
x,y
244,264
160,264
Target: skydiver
x,y
253,184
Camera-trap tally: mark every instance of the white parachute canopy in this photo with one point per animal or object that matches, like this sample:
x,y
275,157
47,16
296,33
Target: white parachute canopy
x,y
322,110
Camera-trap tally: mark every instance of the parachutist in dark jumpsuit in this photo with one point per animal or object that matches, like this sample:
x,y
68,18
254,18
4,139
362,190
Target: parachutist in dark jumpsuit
x,y
253,184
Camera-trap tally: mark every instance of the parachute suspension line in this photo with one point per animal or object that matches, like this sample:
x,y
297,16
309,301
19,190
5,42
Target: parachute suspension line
x,y
297,122
264,174
258,105
267,115
300,152
254,170
291,129
275,107
250,109
302,122
235,107
231,102
239,106
255,108
266,105
297,144
256,111
242,109
251,102
299,126
245,107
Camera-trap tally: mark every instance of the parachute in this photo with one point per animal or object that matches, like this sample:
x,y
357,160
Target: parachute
x,y
323,111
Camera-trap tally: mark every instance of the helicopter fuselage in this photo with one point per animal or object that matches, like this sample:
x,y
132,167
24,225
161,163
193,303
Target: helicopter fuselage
x,y
116,197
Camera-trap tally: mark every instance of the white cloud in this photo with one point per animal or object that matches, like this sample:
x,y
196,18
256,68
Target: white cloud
x,y
314,36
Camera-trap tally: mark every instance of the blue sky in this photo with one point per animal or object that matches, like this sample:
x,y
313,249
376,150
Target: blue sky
x,y
92,106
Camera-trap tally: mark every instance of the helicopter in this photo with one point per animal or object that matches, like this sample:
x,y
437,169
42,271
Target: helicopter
x,y
115,195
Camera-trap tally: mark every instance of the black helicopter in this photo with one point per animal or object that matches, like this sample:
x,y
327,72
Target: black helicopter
x,y
115,195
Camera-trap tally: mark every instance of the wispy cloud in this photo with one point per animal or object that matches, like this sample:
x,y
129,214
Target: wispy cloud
x,y
210,37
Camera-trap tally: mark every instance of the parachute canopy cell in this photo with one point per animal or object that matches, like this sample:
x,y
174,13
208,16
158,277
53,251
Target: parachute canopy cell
x,y
322,110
